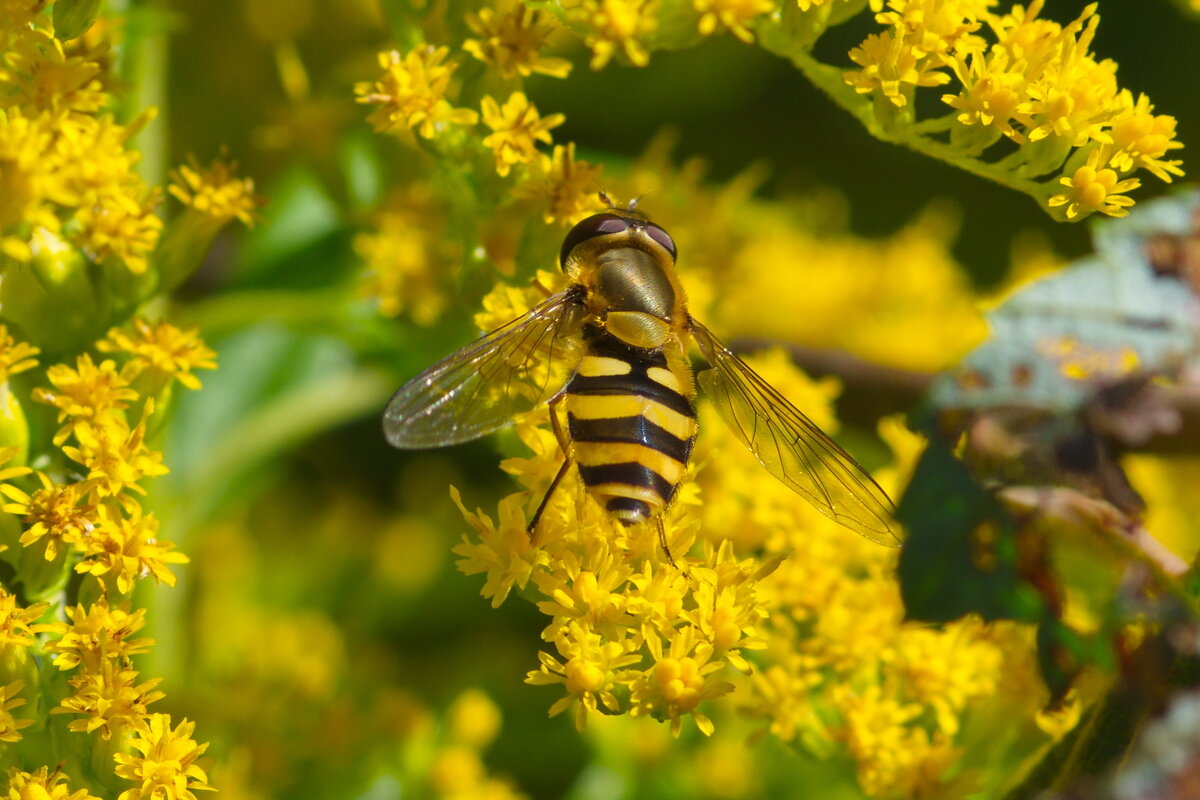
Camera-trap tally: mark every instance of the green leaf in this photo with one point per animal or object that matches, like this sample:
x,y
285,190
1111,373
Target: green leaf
x,y
961,553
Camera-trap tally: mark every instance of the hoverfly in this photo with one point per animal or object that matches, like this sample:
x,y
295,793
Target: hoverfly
x,y
612,349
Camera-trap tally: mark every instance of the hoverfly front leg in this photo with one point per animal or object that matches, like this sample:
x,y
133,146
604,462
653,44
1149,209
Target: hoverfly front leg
x,y
562,444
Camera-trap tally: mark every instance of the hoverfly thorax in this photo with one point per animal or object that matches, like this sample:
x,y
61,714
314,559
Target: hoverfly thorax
x,y
626,265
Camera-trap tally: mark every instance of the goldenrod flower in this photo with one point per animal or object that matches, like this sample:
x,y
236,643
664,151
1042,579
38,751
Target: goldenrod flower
x,y
1141,138
126,545
121,224
16,622
47,79
162,349
895,758
567,187
730,14
167,768
412,93
473,720
404,255
592,671
517,129
15,356
892,67
111,701
30,183
1093,188
617,26
511,38
90,391
682,676
59,512
992,95
115,454
9,725
215,191
43,785
96,637
503,552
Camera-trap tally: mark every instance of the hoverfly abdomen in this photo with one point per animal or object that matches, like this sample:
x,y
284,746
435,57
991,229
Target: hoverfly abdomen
x,y
630,427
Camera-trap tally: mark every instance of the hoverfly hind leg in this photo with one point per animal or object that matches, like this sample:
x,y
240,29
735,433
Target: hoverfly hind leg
x,y
537,515
662,540
561,436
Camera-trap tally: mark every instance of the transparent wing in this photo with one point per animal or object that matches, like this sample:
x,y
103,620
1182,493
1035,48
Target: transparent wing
x,y
791,447
513,369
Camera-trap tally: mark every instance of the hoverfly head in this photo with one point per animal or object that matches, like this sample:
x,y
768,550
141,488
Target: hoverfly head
x,y
618,220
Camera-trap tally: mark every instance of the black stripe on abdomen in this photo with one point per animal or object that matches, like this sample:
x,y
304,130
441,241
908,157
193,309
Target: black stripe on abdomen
x,y
629,473
634,383
634,430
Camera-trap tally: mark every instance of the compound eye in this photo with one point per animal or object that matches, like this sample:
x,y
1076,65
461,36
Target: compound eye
x,y
662,237
595,225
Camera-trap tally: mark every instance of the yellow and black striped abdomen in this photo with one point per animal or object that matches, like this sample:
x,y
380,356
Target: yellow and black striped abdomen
x,y
631,427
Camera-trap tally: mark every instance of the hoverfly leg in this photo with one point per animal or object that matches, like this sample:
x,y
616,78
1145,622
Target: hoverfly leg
x,y
662,540
537,515
561,436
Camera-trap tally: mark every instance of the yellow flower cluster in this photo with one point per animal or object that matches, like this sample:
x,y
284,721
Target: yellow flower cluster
x,y
412,94
215,192
96,526
404,254
805,628
1031,80
43,785
68,169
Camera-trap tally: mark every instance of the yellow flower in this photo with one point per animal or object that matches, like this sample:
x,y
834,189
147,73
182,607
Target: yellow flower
x,y
511,37
162,349
517,129
992,95
473,720
47,79
215,191
42,785
59,512
121,224
731,14
405,254
1140,138
167,768
682,677
616,26
1074,96
566,186
1093,188
16,622
9,725
14,356
30,183
96,636
111,701
127,547
892,67
591,671
895,758
412,93
88,392
116,455
504,551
